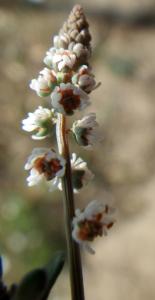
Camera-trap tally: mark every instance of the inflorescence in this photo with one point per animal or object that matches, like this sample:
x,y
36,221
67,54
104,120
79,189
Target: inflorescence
x,y
68,81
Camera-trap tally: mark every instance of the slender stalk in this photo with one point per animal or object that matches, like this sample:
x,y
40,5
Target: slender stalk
x,y
76,278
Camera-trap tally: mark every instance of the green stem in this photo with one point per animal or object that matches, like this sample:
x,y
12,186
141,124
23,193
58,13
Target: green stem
x,y
74,258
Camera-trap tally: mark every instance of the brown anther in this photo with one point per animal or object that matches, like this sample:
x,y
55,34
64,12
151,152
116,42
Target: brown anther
x,y
48,168
69,101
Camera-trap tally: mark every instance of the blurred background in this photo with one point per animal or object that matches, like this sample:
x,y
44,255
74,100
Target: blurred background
x,y
31,219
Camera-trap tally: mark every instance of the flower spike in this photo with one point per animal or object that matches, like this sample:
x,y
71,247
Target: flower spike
x,y
68,80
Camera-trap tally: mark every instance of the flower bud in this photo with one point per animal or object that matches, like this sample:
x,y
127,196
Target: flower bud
x,y
84,79
45,82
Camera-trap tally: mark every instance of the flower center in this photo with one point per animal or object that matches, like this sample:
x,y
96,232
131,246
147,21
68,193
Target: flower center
x,y
48,168
89,229
69,101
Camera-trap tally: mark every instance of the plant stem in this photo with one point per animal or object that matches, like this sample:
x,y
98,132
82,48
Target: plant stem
x,y
74,258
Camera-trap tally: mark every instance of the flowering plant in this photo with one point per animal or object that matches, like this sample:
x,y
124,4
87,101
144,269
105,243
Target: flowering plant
x,y
68,81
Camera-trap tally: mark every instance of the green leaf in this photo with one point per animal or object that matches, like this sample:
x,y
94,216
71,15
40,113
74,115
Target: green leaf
x,y
37,284
53,270
32,286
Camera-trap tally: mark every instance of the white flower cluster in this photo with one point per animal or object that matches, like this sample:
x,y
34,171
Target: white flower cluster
x,y
67,79
69,95
68,87
60,59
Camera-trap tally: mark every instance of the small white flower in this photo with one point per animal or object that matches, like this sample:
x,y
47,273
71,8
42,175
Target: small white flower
x,y
95,220
48,60
45,82
86,131
44,164
41,121
81,175
60,58
66,98
85,79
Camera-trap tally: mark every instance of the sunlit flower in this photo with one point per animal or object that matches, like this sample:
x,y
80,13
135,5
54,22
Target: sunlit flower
x,y
44,164
81,175
45,82
84,79
40,121
66,98
86,131
95,220
60,59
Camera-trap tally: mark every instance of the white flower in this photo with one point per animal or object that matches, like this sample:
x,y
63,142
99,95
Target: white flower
x,y
60,58
86,131
81,175
48,60
85,79
45,82
95,220
41,121
49,76
66,98
44,164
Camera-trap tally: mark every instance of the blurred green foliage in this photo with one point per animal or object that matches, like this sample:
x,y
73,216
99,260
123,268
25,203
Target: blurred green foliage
x,y
24,238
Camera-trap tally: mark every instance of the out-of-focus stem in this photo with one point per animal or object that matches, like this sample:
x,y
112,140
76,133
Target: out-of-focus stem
x,y
76,278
